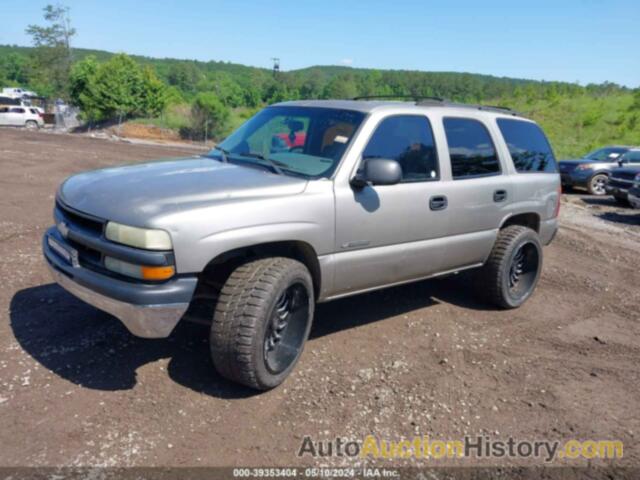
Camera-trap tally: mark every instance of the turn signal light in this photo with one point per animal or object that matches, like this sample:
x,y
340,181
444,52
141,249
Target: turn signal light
x,y
157,273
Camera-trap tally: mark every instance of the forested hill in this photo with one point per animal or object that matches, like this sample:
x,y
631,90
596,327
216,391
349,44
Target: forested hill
x,y
184,95
190,77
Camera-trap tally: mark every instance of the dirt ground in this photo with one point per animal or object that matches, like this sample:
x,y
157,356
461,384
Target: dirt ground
x,y
423,359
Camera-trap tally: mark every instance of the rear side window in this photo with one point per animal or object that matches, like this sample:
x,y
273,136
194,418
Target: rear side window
x,y
528,146
17,110
471,149
408,140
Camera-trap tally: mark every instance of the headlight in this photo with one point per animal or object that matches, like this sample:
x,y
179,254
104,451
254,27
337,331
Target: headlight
x,y
585,166
141,272
138,237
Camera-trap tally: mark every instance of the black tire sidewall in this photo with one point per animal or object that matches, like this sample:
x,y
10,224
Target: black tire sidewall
x,y
531,237
265,378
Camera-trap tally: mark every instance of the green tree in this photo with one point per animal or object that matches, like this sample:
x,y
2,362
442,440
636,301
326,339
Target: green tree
x,y
636,99
342,86
14,68
155,95
52,55
184,76
209,116
80,77
118,88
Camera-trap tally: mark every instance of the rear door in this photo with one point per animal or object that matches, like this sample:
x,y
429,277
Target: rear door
x,y
478,190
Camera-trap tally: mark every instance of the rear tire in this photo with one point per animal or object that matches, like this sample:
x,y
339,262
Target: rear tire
x,y
512,271
31,125
597,183
262,321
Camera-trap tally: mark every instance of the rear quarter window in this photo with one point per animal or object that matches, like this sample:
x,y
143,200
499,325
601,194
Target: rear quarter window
x,y
529,148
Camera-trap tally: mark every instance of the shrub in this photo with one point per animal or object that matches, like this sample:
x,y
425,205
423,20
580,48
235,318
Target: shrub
x,y
209,117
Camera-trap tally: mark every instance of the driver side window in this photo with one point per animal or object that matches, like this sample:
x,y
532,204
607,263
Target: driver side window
x,y
407,139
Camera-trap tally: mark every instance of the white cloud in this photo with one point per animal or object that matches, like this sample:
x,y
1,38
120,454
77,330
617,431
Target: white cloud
x,y
346,61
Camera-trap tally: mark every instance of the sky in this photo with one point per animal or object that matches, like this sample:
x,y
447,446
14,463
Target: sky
x,y
585,41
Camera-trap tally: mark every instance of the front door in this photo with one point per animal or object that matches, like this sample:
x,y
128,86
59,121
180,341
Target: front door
x,y
384,233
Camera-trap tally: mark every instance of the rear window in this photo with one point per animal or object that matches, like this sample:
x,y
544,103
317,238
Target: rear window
x,y
528,146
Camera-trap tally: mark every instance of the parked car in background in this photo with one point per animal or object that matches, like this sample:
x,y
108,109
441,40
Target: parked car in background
x,y
16,92
21,116
634,192
591,171
621,179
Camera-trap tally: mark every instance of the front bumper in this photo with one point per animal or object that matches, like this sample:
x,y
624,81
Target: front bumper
x,y
147,310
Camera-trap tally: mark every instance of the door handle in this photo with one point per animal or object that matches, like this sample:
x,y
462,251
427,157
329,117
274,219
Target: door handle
x,y
499,195
438,202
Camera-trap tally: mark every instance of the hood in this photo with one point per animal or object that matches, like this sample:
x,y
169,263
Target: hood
x,y
135,194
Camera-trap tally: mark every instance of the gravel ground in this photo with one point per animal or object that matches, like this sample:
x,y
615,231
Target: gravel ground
x,y
77,389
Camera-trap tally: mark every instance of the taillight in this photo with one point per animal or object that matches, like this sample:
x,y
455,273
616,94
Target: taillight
x,y
557,212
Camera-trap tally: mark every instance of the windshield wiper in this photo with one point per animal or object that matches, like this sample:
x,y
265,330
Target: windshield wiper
x,y
223,153
272,163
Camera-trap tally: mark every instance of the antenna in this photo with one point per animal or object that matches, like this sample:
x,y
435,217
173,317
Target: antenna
x,y
276,65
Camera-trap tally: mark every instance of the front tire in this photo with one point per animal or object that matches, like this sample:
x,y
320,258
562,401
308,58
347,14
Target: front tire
x,y
262,321
597,183
512,271
31,125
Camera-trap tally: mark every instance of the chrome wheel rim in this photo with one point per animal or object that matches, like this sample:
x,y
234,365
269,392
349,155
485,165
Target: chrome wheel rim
x,y
598,184
286,331
523,270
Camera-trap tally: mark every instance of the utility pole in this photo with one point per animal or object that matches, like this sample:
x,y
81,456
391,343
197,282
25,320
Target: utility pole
x,y
276,66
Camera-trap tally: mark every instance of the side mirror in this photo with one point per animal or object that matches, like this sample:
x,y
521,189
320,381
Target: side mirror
x,y
378,171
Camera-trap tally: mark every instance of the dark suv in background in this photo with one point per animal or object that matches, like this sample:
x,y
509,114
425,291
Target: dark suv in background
x,y
592,171
621,179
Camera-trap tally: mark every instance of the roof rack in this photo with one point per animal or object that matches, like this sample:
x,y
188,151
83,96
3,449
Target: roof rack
x,y
415,98
438,101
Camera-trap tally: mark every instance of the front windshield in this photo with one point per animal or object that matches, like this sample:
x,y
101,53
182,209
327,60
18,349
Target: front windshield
x,y
609,154
302,141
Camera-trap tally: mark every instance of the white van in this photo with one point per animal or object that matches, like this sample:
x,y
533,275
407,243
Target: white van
x,y
27,117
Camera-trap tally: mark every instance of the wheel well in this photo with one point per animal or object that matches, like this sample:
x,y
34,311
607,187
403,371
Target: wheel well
x,y
529,220
215,274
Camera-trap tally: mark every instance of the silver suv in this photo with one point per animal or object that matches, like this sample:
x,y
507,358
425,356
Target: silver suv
x,y
307,202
